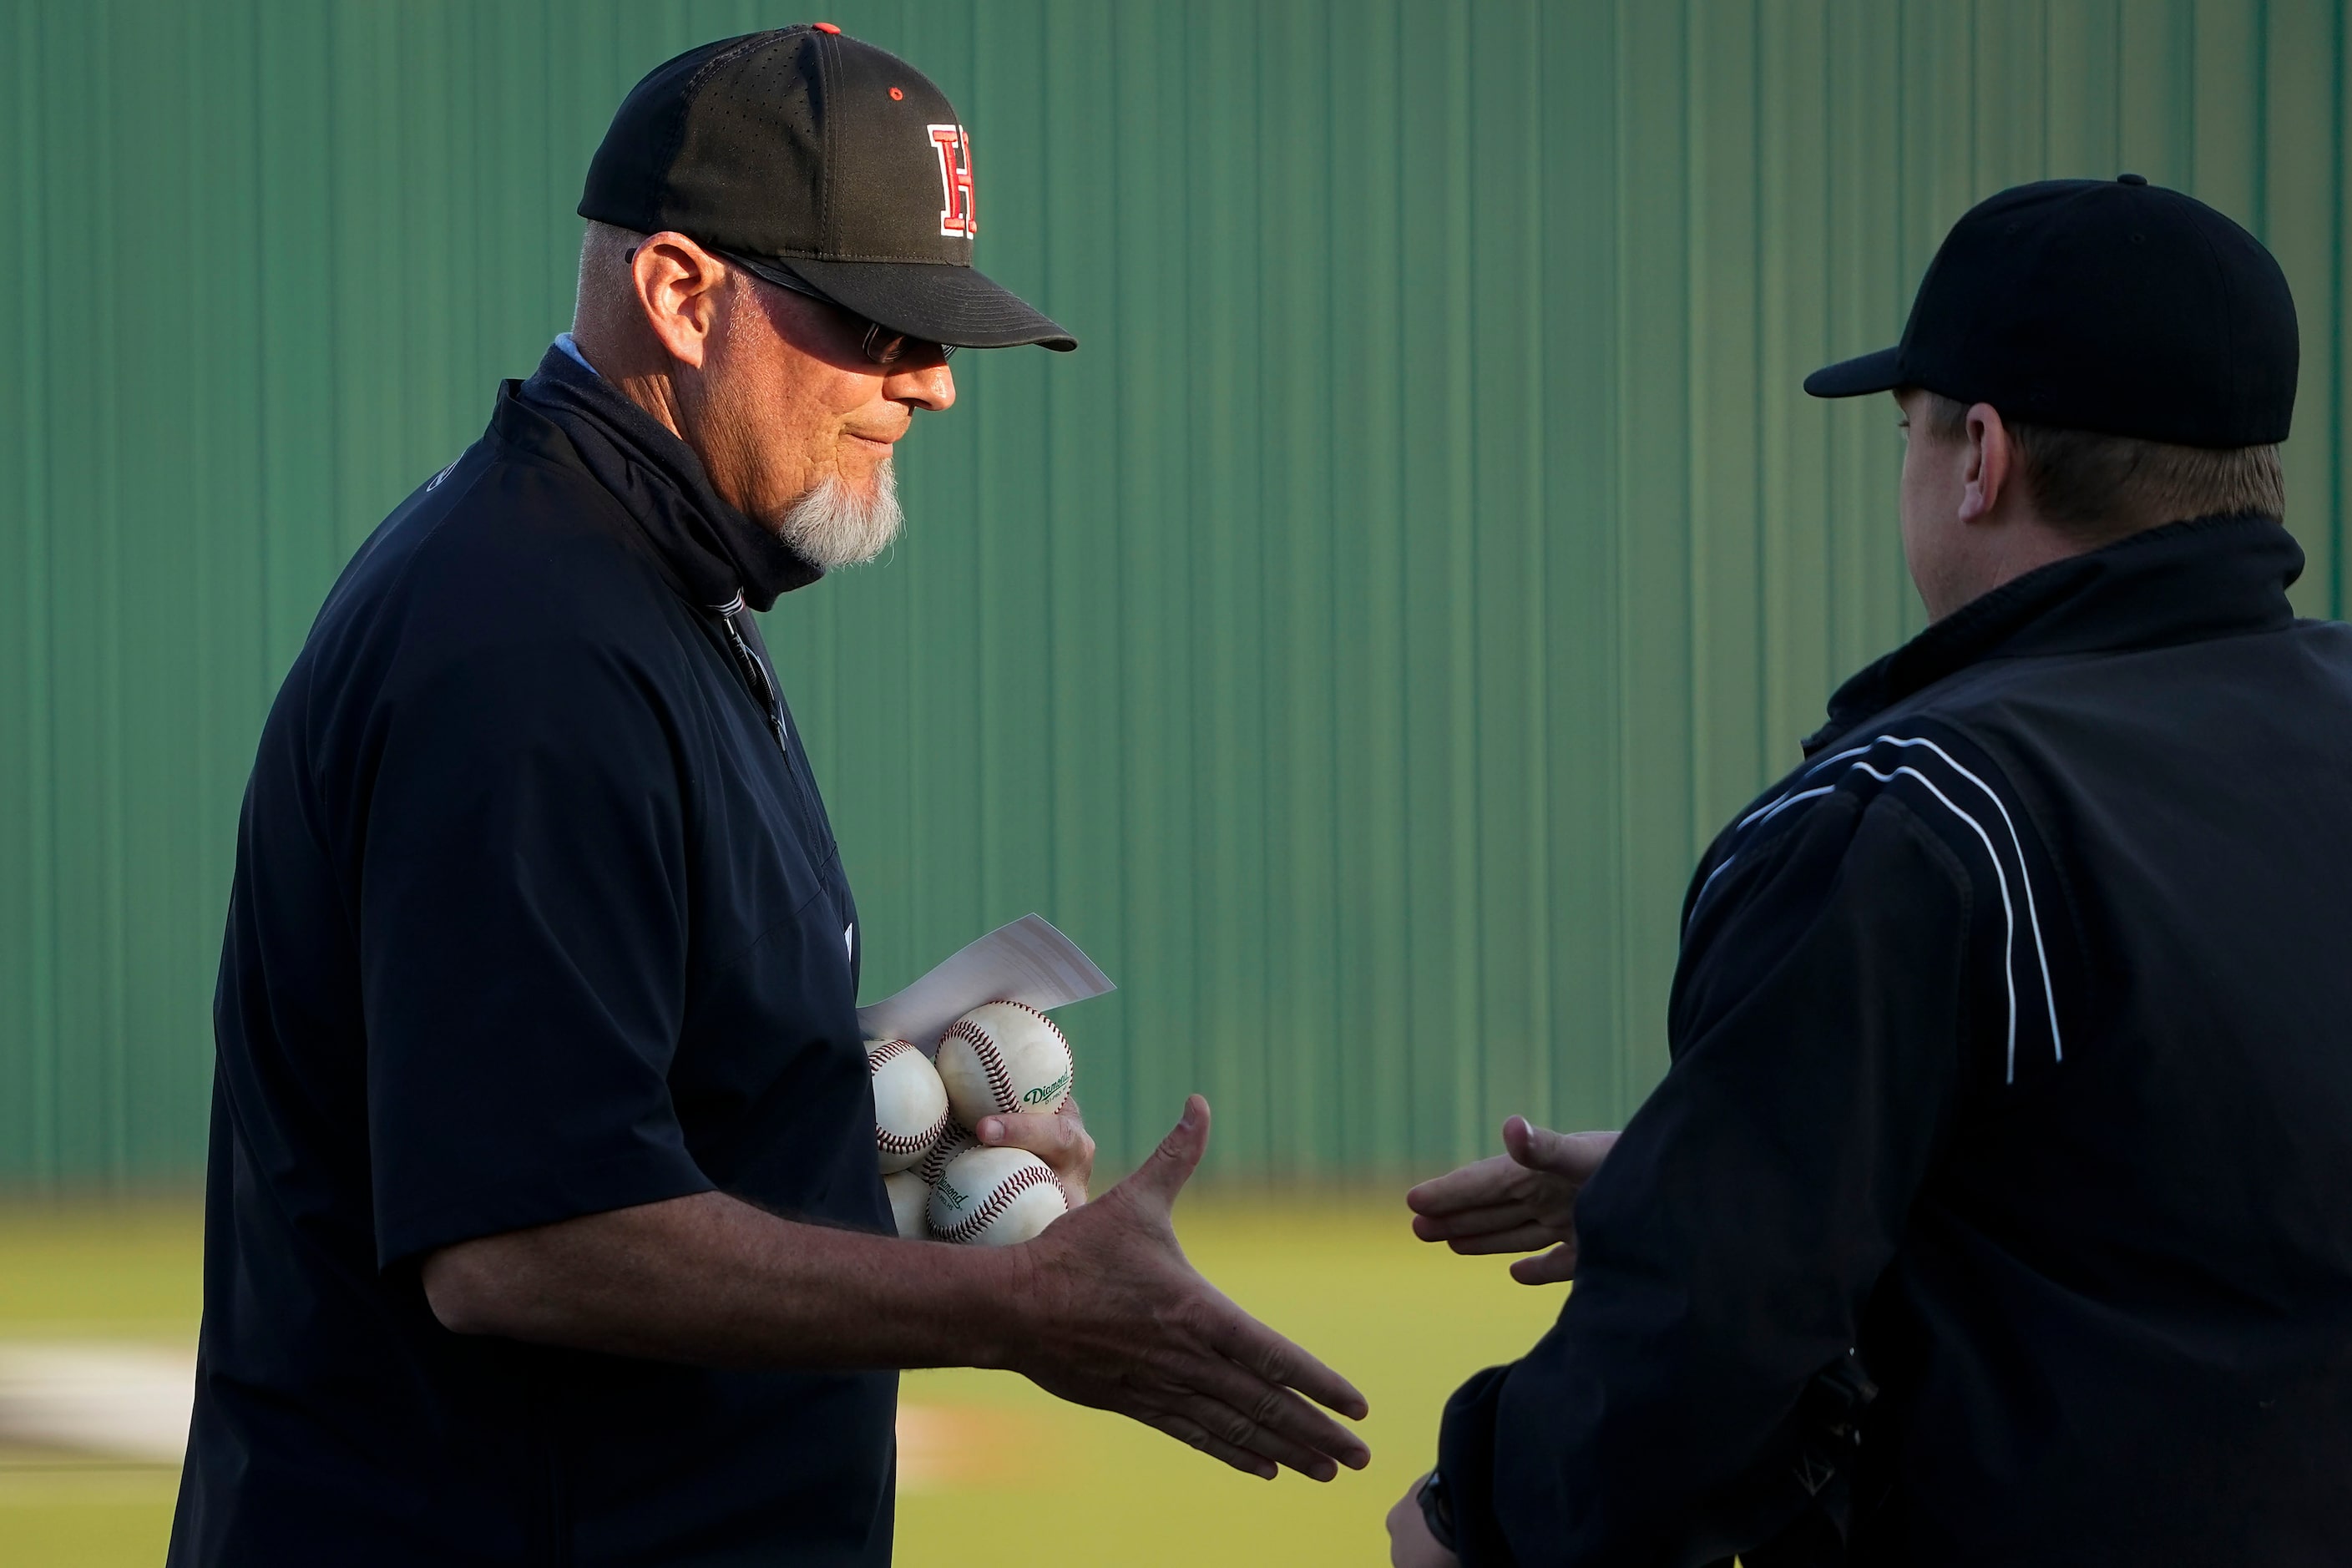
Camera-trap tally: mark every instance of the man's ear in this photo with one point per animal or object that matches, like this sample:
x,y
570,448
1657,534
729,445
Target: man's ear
x,y
680,287
1991,461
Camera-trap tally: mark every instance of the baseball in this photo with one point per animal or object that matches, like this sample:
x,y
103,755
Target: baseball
x,y
1004,1059
952,1143
910,1200
911,1107
995,1198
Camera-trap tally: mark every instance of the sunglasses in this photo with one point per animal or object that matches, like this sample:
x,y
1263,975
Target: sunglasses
x,y
879,345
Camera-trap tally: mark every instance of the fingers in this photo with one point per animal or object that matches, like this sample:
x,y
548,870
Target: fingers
x,y
1277,1421
1163,1175
1473,1222
1050,1137
1554,1267
1526,1142
1576,1155
1479,1185
1188,1431
1250,1344
1256,1427
1269,1422
1061,1140
1523,1239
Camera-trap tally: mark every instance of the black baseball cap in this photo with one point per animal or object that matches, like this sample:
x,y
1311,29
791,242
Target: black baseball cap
x,y
2113,306
823,164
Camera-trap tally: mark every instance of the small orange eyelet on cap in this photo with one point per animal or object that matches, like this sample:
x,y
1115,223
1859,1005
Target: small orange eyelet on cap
x,y
824,27
896,95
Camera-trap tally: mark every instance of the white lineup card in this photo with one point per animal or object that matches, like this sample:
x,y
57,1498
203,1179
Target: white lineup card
x,y
1027,962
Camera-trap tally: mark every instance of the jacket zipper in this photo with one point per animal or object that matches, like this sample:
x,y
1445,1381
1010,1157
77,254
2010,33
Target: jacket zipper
x,y
755,671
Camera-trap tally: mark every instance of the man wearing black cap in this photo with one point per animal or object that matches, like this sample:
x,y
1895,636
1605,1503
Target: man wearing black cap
x,y
543,1223
1992,1209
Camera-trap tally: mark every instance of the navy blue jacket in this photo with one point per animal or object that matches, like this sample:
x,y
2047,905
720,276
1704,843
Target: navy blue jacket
x,y
534,917
2012,1049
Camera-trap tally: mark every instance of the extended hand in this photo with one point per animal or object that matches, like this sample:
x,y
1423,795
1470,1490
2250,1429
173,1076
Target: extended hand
x,y
1060,1139
1514,1201
1115,1317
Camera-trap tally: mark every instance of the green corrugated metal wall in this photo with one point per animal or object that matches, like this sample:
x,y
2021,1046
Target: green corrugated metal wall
x,y
1352,645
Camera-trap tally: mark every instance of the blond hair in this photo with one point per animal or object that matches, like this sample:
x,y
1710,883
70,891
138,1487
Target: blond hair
x,y
2098,487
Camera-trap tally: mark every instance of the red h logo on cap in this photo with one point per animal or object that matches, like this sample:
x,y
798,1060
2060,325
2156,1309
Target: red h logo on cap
x,y
957,216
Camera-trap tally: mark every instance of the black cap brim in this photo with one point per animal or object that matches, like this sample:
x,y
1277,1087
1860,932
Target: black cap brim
x,y
959,306
1881,372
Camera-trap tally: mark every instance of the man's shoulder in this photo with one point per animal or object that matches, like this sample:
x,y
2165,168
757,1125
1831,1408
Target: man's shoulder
x,y
1907,777
2197,719
504,547
1912,749
504,589
2071,697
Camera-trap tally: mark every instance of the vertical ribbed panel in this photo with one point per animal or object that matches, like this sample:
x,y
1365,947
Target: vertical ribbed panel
x,y
1352,646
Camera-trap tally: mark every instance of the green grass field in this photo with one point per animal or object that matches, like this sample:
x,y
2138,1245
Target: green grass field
x,y
1342,1275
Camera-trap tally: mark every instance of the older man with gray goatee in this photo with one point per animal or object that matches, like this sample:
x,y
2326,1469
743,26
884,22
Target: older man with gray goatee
x,y
544,1220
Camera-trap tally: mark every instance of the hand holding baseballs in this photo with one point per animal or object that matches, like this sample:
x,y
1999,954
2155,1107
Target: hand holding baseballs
x,y
1060,1139
1517,1201
1116,1318
984,1144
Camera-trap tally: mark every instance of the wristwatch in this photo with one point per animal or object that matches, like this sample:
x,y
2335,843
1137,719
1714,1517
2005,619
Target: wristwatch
x,y
1437,1509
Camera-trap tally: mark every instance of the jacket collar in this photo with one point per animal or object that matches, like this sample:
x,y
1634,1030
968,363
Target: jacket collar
x,y
2185,581
710,551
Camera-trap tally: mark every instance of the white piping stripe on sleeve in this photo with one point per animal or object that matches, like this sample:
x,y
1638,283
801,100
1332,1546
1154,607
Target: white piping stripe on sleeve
x,y
2009,939
1836,757
1786,800
2024,876
1771,807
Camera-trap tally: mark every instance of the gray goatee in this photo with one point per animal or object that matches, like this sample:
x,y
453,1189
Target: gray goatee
x,y
835,526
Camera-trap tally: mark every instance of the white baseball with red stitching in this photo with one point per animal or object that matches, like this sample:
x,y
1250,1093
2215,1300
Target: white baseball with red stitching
x,y
910,1104
911,1203
1003,1058
995,1198
955,1141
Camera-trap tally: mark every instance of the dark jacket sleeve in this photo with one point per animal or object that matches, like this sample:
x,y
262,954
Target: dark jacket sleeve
x,y
1728,1245
524,942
